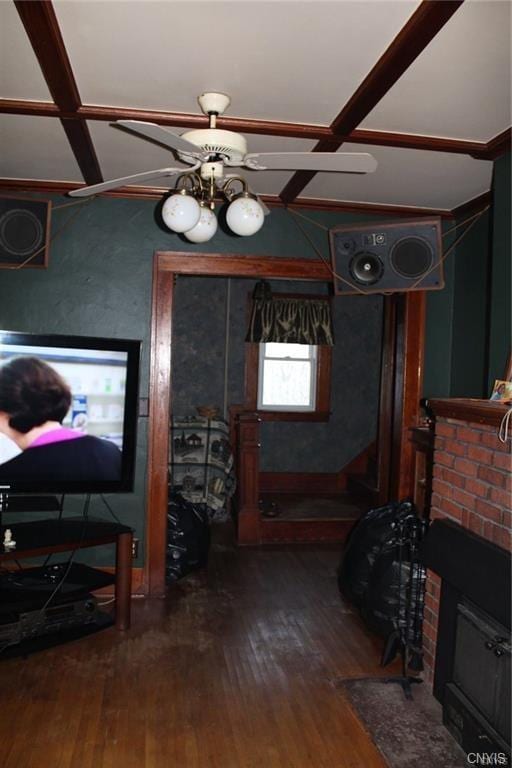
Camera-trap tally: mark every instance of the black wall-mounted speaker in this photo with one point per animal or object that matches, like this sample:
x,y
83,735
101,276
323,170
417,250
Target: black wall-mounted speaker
x,y
387,258
24,232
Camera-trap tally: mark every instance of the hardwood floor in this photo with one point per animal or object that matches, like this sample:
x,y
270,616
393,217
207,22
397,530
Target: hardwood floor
x,y
236,668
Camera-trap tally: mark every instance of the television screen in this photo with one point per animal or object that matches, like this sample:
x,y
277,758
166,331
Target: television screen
x,y
68,413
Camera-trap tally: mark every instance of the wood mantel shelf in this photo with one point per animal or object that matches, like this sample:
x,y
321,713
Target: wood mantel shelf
x,y
468,409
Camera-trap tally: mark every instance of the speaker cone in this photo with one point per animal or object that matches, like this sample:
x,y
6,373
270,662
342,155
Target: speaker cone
x,y
411,257
366,268
21,232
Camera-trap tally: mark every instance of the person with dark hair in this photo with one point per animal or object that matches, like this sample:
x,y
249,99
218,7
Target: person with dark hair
x,y
34,400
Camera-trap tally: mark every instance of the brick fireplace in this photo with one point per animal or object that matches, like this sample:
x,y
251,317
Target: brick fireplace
x,y
467,552
471,486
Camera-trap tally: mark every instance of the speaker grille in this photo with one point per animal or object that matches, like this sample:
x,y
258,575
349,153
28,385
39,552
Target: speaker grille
x,y
24,232
387,257
21,232
366,268
411,257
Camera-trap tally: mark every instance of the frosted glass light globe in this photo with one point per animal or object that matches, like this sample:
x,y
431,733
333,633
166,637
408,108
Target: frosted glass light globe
x,y
245,216
181,212
205,228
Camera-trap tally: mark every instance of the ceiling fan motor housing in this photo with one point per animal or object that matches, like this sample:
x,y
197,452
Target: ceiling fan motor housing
x,y
231,146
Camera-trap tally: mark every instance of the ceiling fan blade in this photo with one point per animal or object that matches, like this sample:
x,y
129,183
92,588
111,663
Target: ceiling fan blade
x,y
161,135
340,162
104,186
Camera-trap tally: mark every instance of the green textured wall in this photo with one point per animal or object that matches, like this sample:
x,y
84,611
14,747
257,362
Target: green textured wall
x,y
98,283
469,323
438,336
500,309
470,305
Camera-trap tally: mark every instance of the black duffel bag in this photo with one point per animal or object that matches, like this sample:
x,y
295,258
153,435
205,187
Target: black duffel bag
x,y
188,537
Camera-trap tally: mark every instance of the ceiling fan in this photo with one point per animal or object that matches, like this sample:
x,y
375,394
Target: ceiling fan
x,y
209,151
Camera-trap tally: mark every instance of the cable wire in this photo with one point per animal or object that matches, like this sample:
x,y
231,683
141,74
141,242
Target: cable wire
x,y
57,233
504,431
85,514
110,509
471,221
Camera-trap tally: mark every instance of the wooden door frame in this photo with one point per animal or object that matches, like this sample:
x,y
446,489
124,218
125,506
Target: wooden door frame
x,y
167,265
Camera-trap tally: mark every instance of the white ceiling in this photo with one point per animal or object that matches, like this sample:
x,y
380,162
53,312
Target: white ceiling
x,y
35,147
459,87
424,176
284,60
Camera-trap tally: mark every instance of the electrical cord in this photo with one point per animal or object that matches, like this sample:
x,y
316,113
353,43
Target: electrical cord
x,y
107,602
504,431
110,509
66,224
85,514
59,520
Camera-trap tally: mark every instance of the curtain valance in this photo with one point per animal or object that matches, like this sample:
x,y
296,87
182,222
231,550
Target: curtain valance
x,y
291,321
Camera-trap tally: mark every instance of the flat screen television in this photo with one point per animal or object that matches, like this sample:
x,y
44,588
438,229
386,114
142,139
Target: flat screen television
x,y
102,376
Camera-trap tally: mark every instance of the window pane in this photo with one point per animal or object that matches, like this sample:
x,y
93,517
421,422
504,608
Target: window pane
x,y
287,383
301,351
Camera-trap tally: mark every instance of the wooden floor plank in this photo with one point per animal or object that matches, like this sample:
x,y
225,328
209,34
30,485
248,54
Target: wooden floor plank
x,y
235,668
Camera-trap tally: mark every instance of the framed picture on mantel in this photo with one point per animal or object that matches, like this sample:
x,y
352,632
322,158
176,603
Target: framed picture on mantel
x,y
502,391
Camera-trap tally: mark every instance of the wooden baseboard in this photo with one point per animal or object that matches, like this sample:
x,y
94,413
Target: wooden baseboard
x,y
304,531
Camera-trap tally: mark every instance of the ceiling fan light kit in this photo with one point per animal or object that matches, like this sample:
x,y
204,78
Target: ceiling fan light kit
x,y
209,151
245,215
205,228
181,211
191,211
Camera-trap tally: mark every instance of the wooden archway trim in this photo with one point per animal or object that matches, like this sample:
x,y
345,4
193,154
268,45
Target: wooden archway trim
x,y
166,266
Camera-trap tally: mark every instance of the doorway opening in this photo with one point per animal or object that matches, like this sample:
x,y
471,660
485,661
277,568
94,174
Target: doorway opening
x,y
399,392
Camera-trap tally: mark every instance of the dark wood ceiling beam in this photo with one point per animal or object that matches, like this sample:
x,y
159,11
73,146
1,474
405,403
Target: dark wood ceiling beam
x,y
477,149
32,108
415,141
41,25
497,146
17,186
191,120
428,19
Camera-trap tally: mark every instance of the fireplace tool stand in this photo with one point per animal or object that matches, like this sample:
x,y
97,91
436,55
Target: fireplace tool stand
x,y
406,638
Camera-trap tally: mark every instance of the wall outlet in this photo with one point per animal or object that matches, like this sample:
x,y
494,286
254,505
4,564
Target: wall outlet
x,y
135,548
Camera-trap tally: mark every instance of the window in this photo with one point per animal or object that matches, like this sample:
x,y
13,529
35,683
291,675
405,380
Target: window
x,y
288,382
312,393
287,377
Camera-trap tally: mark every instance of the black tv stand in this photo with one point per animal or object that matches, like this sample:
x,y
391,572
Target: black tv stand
x,y
42,537
11,502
